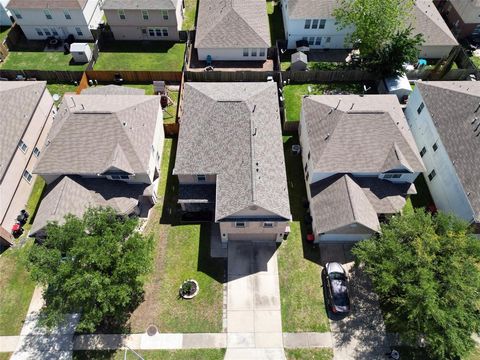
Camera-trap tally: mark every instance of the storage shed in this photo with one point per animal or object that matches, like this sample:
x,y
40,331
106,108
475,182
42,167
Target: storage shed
x,y
81,52
299,61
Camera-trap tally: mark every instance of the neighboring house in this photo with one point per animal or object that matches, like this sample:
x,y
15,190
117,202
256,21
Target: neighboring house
x,y
313,20
445,120
234,30
40,19
4,14
462,16
26,115
144,19
103,149
230,161
360,161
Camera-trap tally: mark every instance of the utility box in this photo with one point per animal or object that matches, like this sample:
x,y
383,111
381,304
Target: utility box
x,y
399,86
81,52
299,61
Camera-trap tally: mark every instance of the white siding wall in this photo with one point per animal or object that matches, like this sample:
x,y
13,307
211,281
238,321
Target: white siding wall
x,y
156,154
4,15
229,55
446,189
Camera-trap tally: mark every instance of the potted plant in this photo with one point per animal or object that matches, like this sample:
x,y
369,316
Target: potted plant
x,y
189,289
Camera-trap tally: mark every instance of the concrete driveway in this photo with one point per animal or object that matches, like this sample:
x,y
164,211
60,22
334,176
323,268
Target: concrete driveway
x,y
360,335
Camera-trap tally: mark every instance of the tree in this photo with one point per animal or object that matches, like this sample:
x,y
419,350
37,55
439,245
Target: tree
x,y
93,266
375,22
426,271
388,60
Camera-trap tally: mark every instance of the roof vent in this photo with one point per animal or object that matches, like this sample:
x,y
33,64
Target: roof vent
x,y
254,107
326,137
478,107
124,123
474,119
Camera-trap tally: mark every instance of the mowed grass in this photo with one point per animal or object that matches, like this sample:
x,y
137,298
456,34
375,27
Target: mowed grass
x,y
189,15
309,354
16,289
145,55
476,61
196,354
4,30
40,60
61,89
303,308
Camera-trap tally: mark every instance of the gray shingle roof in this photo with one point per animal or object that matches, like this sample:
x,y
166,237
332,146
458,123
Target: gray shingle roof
x,y
311,9
352,133
18,102
232,24
47,4
453,105
139,4
233,130
74,195
112,90
93,133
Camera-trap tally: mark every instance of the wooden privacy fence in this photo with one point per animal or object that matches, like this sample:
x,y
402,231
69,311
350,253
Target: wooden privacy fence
x,y
52,76
230,76
135,76
83,84
291,126
455,74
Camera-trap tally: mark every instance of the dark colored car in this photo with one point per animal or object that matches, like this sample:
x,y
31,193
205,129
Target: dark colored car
x,y
337,288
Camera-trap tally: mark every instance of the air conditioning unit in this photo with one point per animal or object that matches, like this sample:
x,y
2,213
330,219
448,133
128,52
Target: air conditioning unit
x,y
296,149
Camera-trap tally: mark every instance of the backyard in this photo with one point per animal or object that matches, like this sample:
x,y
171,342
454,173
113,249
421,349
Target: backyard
x,y
293,95
303,308
189,14
141,56
61,89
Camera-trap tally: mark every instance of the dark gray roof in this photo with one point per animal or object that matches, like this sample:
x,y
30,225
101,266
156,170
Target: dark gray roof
x,y
138,4
453,105
352,133
311,9
112,90
232,24
191,193
18,103
233,130
94,133
74,195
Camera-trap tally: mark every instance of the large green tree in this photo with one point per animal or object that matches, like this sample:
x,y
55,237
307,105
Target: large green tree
x,y
94,265
426,271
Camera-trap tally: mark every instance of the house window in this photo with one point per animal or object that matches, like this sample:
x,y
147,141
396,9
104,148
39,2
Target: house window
x,y
47,32
435,147
158,32
392,176
120,177
261,52
240,225
165,14
268,224
165,32
121,15
39,31
315,24
245,52
311,40
54,32
79,31
27,176
145,14
432,175
151,32
254,52
67,15
22,146
48,15
318,40
36,152
322,24
420,108
201,178
423,151
308,23
17,14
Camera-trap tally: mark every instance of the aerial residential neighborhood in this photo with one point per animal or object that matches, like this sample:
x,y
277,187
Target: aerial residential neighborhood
x,y
240,179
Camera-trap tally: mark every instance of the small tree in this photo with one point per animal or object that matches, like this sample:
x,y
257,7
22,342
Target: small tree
x,y
92,265
426,272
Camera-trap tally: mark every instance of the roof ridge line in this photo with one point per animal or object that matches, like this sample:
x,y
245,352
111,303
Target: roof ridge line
x,y
249,26
349,196
252,154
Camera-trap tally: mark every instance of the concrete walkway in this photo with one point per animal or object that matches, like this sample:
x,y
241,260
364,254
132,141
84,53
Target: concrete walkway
x,y
254,321
36,342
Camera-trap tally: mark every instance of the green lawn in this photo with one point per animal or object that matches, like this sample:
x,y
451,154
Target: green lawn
x,y
196,354
61,89
3,33
293,95
17,289
189,15
182,252
275,21
303,308
309,354
145,55
476,61
40,60
5,356
411,353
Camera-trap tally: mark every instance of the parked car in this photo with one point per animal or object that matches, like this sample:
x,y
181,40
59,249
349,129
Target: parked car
x,y
337,288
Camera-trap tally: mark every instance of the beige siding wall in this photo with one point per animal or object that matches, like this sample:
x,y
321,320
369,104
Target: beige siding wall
x,y
14,190
435,52
253,231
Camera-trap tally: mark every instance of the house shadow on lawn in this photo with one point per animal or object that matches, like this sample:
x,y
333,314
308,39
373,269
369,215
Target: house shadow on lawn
x,y
144,46
213,267
170,211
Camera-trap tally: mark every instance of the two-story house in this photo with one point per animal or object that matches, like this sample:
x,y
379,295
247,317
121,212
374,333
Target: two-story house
x,y
230,162
40,19
232,30
462,16
144,19
26,115
313,21
105,149
359,160
445,122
